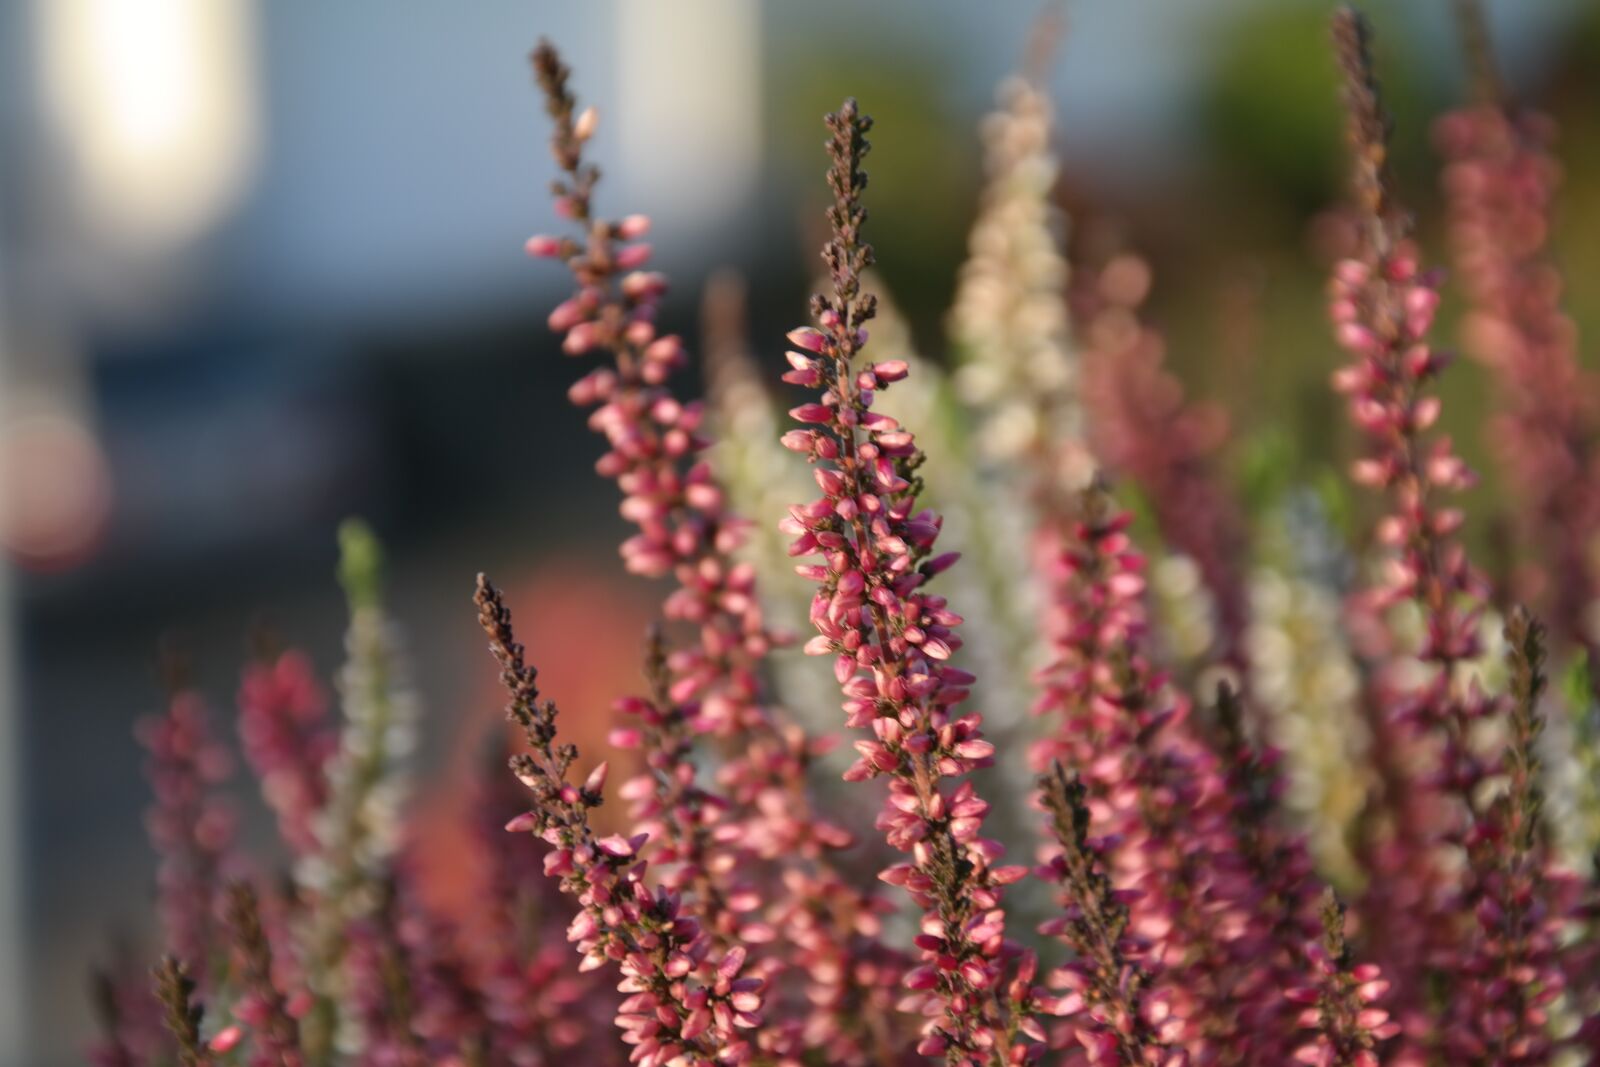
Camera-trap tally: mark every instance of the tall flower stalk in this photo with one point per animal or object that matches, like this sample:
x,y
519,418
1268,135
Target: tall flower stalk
x,y
1108,981
1142,427
358,829
670,493
1500,180
891,641
288,743
688,1000
1383,307
1215,890
262,1007
1009,321
1521,899
1305,679
686,530
190,826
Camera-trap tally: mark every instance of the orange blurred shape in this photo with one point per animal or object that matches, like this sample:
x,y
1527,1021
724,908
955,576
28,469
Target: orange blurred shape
x,y
583,625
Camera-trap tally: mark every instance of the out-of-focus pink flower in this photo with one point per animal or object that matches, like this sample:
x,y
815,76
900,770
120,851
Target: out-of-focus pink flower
x,y
1383,307
288,741
190,826
1212,891
1499,183
1141,426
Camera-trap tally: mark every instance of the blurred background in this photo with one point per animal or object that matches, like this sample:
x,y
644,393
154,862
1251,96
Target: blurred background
x,y
261,269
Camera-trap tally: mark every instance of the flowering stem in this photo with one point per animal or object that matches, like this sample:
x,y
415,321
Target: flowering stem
x,y
190,826
891,641
358,828
687,1001
1107,982
175,989
1518,895
264,1007
288,742
1500,182
686,530
1342,1006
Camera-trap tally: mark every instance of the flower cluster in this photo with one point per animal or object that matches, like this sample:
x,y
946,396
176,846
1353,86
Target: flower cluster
x,y
1304,678
262,1007
687,998
1499,183
714,687
1141,427
1343,1006
1107,980
1168,915
1219,891
892,641
345,962
284,732
684,527
1019,369
190,826
1383,309
1514,968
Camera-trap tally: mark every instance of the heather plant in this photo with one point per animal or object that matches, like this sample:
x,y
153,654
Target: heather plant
x,y
1371,719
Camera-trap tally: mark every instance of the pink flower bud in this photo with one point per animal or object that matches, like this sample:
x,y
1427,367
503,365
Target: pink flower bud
x,y
543,246
809,339
226,1039
521,824
633,256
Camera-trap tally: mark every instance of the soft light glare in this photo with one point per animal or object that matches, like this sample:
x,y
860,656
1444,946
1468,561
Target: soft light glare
x,y
690,112
55,490
154,104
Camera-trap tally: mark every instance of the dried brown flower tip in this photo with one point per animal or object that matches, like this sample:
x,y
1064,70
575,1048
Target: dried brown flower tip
x,y
1333,939
1484,72
519,679
1111,1003
1368,129
570,131
277,1032
845,253
175,989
